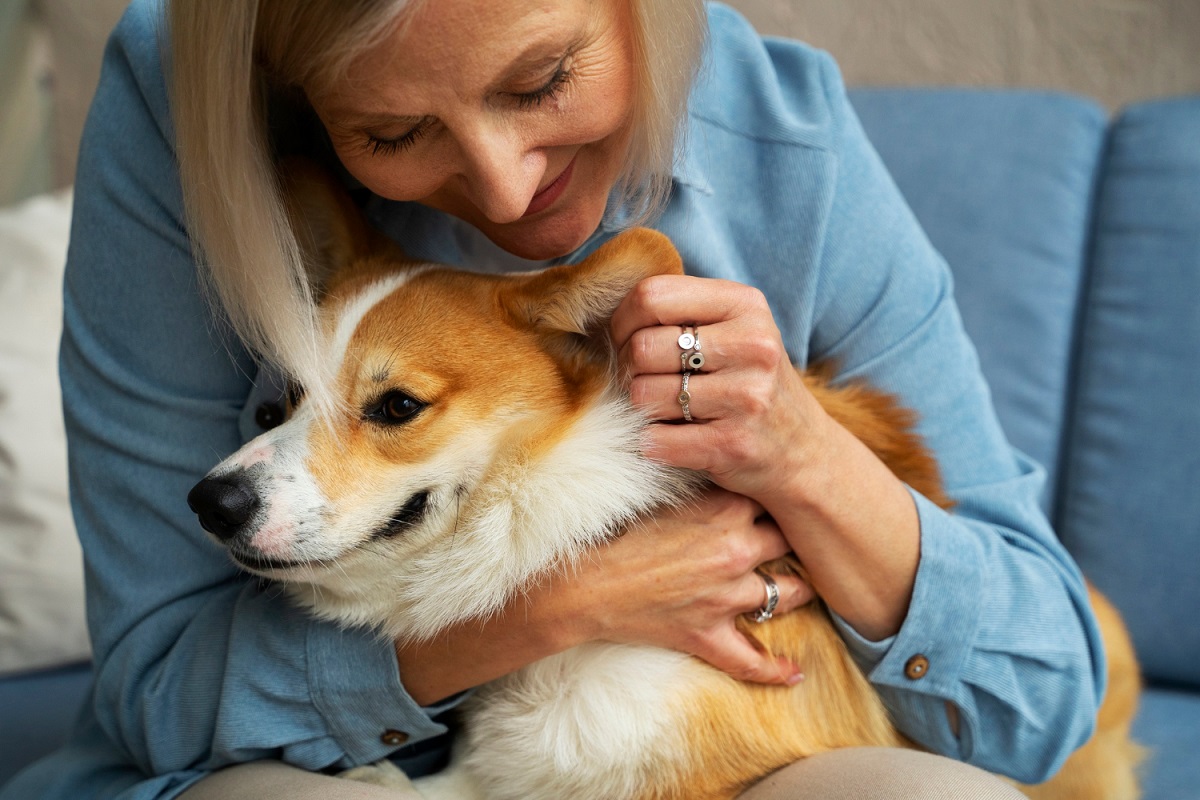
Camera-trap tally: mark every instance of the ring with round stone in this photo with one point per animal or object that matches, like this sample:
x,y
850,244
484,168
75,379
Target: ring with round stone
x,y
691,359
685,397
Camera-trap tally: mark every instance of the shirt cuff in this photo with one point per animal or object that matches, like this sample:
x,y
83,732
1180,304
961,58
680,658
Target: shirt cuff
x,y
866,653
355,684
920,668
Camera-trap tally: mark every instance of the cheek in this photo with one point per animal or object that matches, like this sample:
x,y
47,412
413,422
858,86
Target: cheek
x,y
601,103
395,177
603,114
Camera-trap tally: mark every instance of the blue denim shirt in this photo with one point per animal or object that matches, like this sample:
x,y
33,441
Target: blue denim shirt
x,y
199,666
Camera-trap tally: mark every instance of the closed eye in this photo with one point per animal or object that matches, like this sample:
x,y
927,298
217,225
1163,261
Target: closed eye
x,y
380,145
558,81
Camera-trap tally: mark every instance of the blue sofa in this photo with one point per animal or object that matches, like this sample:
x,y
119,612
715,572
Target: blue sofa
x,y
1075,243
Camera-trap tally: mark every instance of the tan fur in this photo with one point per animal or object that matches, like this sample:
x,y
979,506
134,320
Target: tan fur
x,y
1105,767
539,342
474,364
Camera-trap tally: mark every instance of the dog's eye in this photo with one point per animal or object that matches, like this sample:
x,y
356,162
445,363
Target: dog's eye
x,y
396,407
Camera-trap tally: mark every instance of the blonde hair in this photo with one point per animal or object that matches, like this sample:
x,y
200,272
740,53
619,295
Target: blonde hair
x,y
229,58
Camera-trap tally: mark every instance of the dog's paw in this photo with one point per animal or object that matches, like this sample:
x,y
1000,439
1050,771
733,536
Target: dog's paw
x,y
381,773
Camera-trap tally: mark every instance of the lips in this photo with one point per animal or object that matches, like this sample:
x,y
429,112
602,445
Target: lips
x,y
543,199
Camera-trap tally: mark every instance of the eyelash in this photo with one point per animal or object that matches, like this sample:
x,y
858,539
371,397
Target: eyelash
x,y
560,78
525,100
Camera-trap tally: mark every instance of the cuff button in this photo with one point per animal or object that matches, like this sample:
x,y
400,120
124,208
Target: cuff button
x,y
916,667
393,738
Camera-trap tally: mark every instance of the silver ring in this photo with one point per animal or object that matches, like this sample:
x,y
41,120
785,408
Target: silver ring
x,y
687,340
768,609
691,359
685,397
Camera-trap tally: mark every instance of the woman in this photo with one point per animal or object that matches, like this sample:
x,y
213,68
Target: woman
x,y
504,135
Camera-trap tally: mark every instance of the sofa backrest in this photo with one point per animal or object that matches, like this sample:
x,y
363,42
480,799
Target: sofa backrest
x,y
1076,256
1129,508
1002,182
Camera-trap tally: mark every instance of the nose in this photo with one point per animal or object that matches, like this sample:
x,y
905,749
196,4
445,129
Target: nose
x,y
224,505
501,171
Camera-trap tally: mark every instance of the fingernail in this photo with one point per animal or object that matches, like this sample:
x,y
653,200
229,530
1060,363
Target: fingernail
x,y
797,677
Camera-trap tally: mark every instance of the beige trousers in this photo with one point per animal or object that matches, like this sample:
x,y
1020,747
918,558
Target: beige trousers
x,y
863,773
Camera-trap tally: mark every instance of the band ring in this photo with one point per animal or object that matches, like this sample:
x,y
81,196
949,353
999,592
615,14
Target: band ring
x,y
685,397
768,609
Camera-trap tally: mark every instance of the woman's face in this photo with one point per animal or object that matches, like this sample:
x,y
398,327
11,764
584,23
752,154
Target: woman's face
x,y
513,115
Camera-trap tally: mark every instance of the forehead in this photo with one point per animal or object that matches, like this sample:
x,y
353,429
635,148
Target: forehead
x,y
436,328
463,46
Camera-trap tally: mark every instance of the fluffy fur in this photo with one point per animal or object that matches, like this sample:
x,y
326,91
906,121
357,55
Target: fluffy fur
x,y
519,458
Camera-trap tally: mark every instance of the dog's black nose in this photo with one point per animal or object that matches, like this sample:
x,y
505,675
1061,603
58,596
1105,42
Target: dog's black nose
x,y
223,505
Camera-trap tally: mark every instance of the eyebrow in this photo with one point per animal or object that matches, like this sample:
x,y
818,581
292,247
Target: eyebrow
x,y
535,55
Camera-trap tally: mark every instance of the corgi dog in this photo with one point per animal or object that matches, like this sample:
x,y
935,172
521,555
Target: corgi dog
x,y
476,440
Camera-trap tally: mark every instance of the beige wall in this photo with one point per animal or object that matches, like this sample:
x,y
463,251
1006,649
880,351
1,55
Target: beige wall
x,y
1117,51
78,30
25,101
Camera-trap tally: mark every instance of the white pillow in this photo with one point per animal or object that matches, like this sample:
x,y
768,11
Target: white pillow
x,y
41,575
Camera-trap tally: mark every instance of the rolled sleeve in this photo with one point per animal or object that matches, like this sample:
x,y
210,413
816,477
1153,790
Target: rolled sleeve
x,y
990,630
361,697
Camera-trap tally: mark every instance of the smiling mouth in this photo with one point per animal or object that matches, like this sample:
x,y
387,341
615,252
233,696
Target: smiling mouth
x,y
544,198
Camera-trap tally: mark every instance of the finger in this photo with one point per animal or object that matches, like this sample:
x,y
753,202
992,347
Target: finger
x,y
660,397
661,349
710,396
700,446
680,300
794,593
772,543
738,511
737,656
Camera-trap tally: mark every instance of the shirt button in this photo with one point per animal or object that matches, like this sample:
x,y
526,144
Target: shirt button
x,y
916,668
393,738
268,415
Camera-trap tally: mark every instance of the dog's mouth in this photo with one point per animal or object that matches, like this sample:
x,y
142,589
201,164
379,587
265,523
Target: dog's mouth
x,y
266,564
410,515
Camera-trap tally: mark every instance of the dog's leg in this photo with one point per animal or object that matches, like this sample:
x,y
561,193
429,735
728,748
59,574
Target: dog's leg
x,y
382,773
453,783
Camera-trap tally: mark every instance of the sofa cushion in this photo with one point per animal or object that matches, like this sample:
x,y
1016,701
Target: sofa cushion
x,y
1131,502
1169,725
36,712
41,569
1002,182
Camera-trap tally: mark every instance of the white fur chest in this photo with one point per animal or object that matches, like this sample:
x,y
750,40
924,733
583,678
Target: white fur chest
x,y
591,722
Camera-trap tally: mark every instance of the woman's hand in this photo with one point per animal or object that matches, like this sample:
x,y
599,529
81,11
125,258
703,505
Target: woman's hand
x,y
759,432
752,414
677,581
680,580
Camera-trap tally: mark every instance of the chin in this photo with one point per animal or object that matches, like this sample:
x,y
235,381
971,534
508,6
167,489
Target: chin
x,y
544,237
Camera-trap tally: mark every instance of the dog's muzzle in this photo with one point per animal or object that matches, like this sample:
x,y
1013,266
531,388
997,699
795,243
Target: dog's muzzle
x,y
225,505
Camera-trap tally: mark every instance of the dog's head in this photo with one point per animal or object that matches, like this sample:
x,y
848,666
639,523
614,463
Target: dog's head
x,y
475,438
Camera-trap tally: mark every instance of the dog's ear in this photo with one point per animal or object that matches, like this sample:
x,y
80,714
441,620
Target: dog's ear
x,y
331,231
581,298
